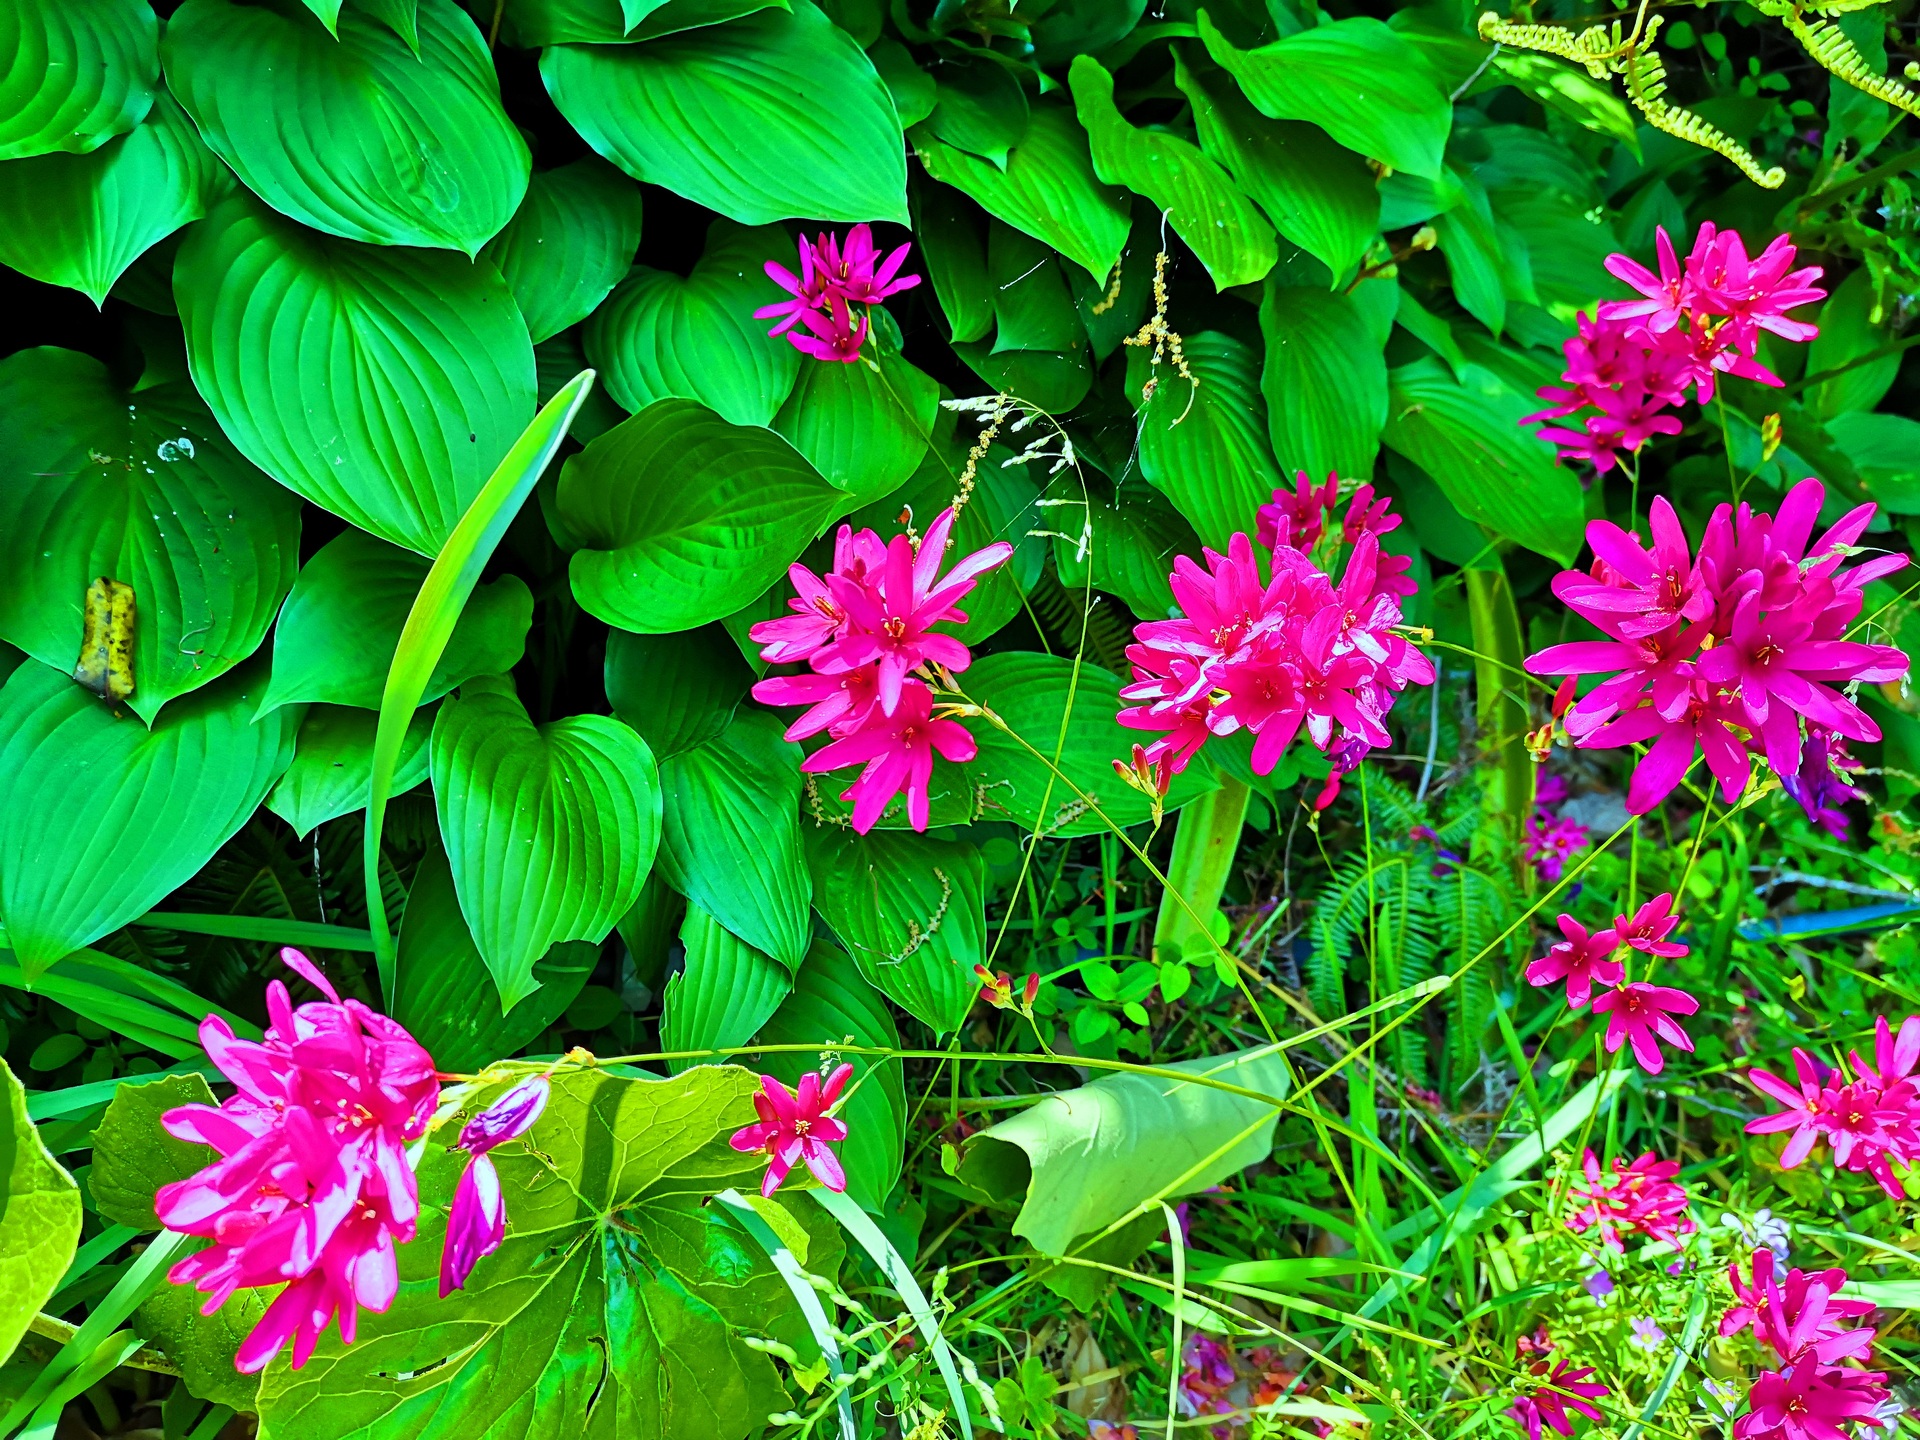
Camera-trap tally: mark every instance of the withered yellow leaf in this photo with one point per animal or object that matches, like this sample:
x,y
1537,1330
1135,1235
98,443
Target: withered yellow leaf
x,y
106,640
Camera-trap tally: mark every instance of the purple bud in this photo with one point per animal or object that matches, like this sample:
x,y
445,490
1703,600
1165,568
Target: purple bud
x,y
508,1118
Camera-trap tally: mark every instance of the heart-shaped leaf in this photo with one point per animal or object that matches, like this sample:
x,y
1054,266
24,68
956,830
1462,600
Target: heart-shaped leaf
x,y
536,24
1325,384
101,817
1214,463
725,993
659,335
382,384
680,690
342,620
734,117
332,770
550,830
864,429
81,220
40,1216
569,243
74,74
133,1156
142,488
360,136
684,518
980,107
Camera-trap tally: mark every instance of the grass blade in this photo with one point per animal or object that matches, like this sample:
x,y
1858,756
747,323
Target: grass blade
x,y
267,931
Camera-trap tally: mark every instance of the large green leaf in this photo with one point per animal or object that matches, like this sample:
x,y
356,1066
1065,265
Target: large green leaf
x,y
100,817
1047,189
1355,79
1201,202
39,1218
133,1156
732,117
679,690
1032,307
684,518
1089,1157
911,910
1325,383
731,841
616,1306
570,242
332,770
142,488
1470,441
725,993
445,994
1136,535
550,830
864,428
1848,333
948,230
1320,196
1214,464
360,136
81,220
661,335
342,620
979,106
74,74
381,384
535,24
830,1002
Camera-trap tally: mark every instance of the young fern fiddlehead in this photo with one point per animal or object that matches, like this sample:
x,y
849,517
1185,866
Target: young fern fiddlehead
x,y
1830,48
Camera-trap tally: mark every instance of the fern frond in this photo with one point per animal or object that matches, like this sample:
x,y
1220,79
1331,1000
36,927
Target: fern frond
x,y
1592,47
1646,79
1830,49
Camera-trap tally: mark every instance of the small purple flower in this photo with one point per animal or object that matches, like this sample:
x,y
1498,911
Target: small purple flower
x,y
1647,1334
1820,785
477,1221
1599,1285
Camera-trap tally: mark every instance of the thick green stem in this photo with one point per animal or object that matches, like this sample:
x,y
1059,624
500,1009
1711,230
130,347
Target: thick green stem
x,y
1203,848
1501,706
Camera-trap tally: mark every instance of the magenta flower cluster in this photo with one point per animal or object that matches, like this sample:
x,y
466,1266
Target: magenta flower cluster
x,y
1869,1114
1297,650
826,316
1565,1389
1821,1383
1635,359
1551,839
1638,1013
1638,1198
1732,652
866,630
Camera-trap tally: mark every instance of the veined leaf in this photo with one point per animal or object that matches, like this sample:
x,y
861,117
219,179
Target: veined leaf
x,y
39,1218
1214,464
1136,535
535,24
864,430
142,488
955,259
381,384
979,107
360,136
1325,383
730,117
725,993
74,74
133,1156
570,242
1032,308
332,770
678,690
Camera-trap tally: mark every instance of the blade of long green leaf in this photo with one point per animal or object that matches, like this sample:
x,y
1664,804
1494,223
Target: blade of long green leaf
x,y
127,978
436,609
252,927
105,1358
152,1026
56,1104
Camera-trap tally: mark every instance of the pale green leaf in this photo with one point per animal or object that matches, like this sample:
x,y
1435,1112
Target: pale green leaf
x,y
133,1156
39,1219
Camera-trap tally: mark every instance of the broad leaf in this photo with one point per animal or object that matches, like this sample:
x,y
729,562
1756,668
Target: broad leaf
x,y
39,1218
979,107
332,770
203,1346
1885,450
1136,535
684,518
81,220
1325,383
570,242
360,136
1355,79
948,232
100,818
911,911
1201,202
133,1156
1047,189
660,335
731,835
145,489
445,995
1848,333
343,618
550,830
725,993
74,74
1214,464
863,429
731,116
535,24
1032,307
383,385
679,690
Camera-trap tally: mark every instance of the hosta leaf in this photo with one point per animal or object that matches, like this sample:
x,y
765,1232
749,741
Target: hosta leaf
x,y
1214,464
359,137
1136,535
1047,189
570,242
39,1217
535,24
445,994
142,488
911,911
100,817
616,1306
1032,308
342,620
680,690
1325,383
81,220
731,840
1051,380
550,830
725,993
332,770
1030,693
734,118
1355,79
1201,202
1471,443
865,430
830,1001
659,335
684,518
979,107
73,74
383,385
955,259
133,1156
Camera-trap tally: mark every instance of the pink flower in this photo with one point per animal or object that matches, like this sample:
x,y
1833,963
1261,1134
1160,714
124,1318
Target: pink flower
x,y
1871,1118
1551,842
1639,1198
1809,1110
897,751
834,277
1647,931
1297,519
477,1222
1810,1402
833,333
1796,1315
1564,1390
313,1187
795,1127
1643,1015
1582,960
